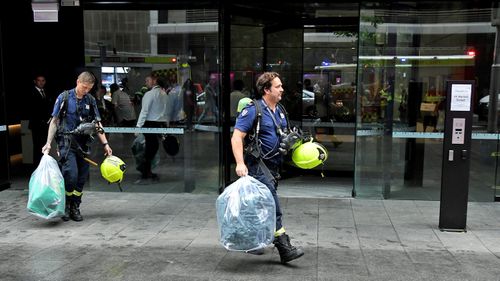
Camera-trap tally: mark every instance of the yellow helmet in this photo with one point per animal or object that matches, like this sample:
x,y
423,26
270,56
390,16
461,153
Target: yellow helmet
x,y
309,155
112,169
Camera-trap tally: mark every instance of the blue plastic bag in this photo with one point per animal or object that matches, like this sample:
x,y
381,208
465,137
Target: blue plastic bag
x,y
47,198
246,214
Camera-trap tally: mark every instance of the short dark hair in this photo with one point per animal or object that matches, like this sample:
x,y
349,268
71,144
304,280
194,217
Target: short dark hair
x,y
265,81
114,87
37,75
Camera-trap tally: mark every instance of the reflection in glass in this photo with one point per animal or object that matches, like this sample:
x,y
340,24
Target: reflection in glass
x,y
407,54
125,47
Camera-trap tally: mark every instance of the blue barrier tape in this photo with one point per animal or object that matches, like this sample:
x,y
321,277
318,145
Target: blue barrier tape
x,y
206,128
329,124
427,135
484,136
423,135
417,135
173,131
365,133
359,133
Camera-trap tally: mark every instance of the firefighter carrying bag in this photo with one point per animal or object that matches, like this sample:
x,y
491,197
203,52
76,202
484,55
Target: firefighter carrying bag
x,y
46,190
246,214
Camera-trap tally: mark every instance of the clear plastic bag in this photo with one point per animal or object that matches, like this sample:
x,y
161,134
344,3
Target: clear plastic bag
x,y
246,214
139,152
47,198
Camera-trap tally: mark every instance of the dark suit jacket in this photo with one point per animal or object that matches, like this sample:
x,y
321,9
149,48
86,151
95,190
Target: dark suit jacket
x,y
40,110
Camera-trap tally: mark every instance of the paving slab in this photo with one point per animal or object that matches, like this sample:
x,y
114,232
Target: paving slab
x,y
175,236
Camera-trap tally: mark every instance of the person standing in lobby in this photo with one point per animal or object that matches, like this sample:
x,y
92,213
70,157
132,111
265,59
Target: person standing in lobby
x,y
235,96
189,93
153,115
39,114
124,109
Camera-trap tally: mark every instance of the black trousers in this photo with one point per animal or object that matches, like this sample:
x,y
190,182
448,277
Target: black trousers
x,y
152,145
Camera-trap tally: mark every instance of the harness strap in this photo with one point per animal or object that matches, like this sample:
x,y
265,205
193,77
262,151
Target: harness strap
x,y
282,109
69,140
255,140
278,126
258,116
266,170
63,109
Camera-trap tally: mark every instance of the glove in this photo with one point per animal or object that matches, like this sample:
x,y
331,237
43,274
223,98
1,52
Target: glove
x,y
290,141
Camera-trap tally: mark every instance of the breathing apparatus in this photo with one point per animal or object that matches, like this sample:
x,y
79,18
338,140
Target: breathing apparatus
x,y
87,128
290,139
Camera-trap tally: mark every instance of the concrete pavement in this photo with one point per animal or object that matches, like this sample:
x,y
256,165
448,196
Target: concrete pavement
x,y
148,236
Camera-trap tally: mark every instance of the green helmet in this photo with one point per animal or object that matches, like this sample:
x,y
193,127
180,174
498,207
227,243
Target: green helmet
x,y
242,103
112,169
309,155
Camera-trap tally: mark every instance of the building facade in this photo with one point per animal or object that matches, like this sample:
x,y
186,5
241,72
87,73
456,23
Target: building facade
x,y
367,79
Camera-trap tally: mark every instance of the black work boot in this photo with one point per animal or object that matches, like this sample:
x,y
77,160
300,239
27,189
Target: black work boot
x,y
286,250
65,217
74,211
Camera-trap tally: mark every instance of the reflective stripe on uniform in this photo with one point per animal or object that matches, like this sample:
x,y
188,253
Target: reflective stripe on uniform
x,y
279,232
74,192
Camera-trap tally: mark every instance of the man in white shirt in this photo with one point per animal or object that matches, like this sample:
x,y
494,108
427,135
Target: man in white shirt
x,y
153,115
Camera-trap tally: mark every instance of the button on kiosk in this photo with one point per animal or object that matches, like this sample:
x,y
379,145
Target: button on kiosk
x,y
456,156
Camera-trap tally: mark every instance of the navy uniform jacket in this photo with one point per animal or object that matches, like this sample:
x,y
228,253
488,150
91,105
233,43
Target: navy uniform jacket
x,y
78,111
268,134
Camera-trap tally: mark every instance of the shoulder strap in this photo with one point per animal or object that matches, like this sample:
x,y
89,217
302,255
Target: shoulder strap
x,y
258,117
257,120
282,109
92,105
63,108
252,145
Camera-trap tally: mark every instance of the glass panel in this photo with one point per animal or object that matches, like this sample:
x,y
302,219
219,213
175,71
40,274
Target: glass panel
x,y
247,53
408,50
329,88
124,47
4,158
284,55
492,97
246,61
313,48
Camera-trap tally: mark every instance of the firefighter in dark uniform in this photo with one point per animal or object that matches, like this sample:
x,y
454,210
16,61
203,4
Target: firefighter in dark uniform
x,y
273,121
72,108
